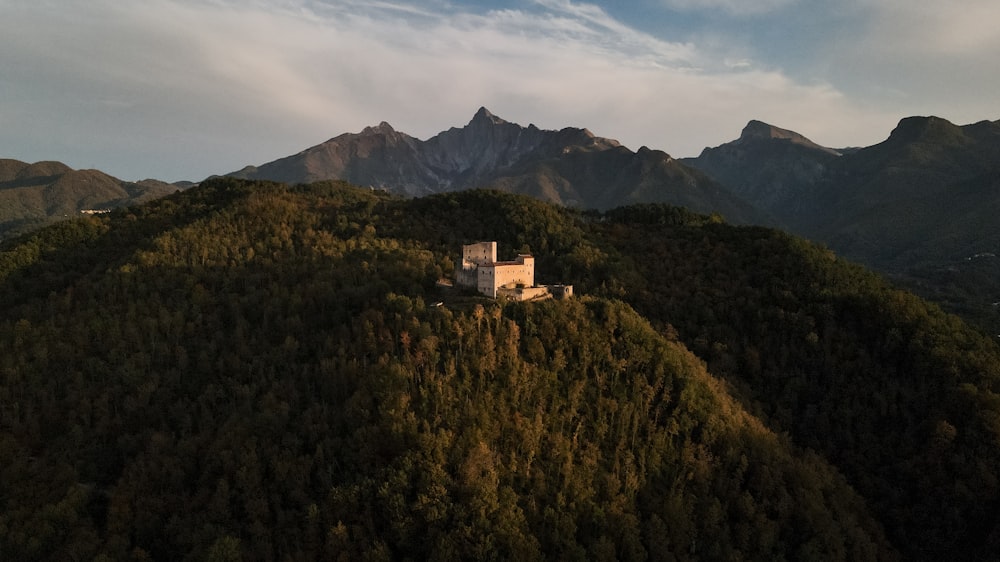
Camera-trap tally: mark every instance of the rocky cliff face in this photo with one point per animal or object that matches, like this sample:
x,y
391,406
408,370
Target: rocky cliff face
x,y
487,143
571,166
459,158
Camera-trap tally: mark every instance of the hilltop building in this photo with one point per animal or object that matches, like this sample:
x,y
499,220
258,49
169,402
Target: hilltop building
x,y
512,279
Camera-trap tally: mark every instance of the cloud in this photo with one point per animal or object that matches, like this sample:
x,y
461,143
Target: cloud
x,y
959,28
184,88
919,58
733,7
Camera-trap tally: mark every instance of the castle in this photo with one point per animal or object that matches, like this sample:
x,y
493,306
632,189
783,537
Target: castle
x,y
514,280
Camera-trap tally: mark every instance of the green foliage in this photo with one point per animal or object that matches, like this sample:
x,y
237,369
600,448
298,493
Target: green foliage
x,y
863,373
35,195
253,371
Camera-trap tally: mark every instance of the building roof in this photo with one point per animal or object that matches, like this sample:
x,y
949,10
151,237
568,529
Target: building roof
x,y
496,263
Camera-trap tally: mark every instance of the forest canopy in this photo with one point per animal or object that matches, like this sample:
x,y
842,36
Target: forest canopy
x,y
252,370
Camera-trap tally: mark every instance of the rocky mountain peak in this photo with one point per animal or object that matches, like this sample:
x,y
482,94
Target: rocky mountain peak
x,y
485,117
571,166
382,128
758,130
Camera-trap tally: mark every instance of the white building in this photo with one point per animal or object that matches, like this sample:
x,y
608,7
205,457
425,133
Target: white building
x,y
512,279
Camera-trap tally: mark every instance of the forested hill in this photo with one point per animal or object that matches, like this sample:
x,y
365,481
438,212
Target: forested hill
x,y
34,195
256,371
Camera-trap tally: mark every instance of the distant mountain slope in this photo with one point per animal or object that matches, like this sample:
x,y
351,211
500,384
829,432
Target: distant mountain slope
x,y
35,194
767,166
570,167
915,206
881,202
875,203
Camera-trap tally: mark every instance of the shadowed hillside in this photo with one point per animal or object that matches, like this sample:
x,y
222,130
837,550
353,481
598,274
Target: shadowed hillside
x,y
252,370
918,206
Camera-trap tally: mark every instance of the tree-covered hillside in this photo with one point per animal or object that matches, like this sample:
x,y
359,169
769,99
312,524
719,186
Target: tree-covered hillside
x,y
900,397
248,370
35,195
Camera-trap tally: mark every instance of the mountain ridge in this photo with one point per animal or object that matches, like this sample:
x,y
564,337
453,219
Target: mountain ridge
x,y
32,195
757,130
912,206
490,152
767,166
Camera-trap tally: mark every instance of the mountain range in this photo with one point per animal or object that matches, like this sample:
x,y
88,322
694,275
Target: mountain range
x,y
921,206
36,194
570,167
908,195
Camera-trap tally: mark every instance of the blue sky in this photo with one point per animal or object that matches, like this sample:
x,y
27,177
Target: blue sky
x,y
181,89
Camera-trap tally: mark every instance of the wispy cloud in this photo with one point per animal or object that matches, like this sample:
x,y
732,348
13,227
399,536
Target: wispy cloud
x,y
220,84
733,7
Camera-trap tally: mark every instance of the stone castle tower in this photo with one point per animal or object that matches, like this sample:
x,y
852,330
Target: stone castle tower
x,y
480,269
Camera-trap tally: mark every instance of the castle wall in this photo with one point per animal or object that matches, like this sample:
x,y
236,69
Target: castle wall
x,y
525,294
480,253
467,277
474,256
480,269
509,274
561,291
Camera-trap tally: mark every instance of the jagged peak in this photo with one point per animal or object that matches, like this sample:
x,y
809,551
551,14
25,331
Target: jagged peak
x,y
485,116
382,128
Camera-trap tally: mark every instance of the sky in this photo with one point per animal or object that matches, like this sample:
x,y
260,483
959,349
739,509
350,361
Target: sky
x,y
183,89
